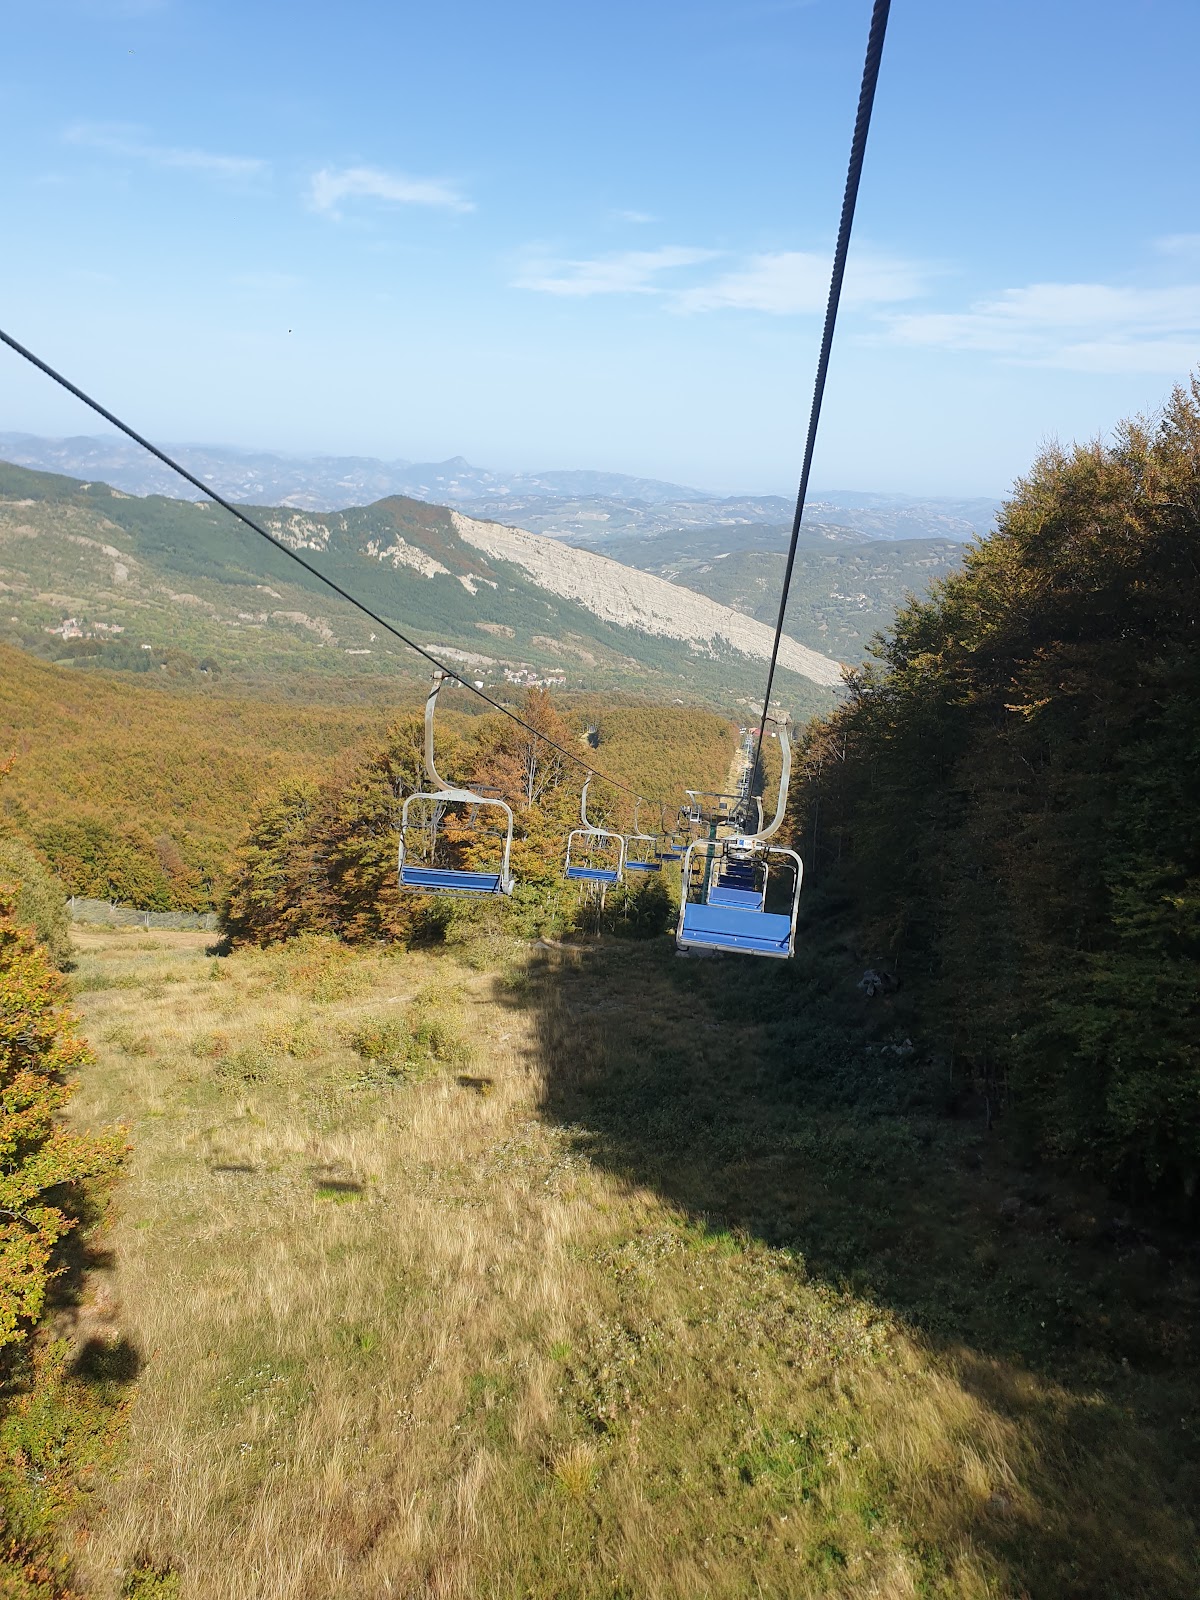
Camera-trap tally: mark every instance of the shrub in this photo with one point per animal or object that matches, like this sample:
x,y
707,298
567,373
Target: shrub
x,y
40,898
40,1161
380,1040
291,1036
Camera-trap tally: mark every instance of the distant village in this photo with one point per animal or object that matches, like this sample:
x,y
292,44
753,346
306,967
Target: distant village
x,y
72,628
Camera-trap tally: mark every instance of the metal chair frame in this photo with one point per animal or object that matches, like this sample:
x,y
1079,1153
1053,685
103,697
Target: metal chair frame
x,y
605,876
736,920
450,880
671,845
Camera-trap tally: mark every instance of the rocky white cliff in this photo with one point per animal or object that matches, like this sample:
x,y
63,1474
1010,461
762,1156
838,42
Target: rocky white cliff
x,y
634,599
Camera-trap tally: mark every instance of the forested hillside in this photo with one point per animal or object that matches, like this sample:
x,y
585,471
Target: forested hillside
x,y
137,794
1008,803
96,577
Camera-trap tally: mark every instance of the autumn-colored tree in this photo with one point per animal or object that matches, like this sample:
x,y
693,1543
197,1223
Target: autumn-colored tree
x,y
41,900
325,860
41,1162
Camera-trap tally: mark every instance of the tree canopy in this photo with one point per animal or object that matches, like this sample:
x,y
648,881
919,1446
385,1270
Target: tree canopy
x,y
1008,797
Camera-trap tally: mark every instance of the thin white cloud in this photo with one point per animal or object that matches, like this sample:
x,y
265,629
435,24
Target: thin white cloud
x,y
130,143
331,186
783,283
1082,327
634,216
625,272
1185,245
796,283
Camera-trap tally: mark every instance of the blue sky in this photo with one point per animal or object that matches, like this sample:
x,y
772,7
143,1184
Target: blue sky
x,y
597,235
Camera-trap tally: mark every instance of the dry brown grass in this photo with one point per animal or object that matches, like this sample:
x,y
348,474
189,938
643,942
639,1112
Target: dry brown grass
x,y
400,1337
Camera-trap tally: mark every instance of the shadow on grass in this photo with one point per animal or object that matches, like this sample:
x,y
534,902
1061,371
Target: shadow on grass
x,y
106,1361
760,1099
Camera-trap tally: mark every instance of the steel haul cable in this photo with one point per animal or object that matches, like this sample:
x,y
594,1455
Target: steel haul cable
x,y
227,505
858,148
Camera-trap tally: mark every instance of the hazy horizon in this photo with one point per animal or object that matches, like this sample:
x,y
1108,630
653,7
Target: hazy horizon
x,y
734,491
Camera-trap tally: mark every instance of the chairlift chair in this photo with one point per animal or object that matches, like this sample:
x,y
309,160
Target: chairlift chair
x,y
436,877
642,853
586,843
724,905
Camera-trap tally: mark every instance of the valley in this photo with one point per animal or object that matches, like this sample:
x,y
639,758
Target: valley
x,y
452,1246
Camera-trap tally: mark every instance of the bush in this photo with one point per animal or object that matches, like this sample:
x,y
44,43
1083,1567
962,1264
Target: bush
x,y
380,1041
40,899
414,1046
39,1159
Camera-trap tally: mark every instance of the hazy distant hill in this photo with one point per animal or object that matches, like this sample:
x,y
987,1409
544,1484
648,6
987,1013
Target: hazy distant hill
x,y
602,522
112,573
315,483
843,591
584,507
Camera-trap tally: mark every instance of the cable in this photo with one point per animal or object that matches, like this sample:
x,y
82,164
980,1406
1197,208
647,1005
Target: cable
x,y
858,148
241,516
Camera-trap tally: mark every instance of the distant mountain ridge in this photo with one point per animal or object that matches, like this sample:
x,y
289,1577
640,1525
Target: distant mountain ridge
x,y
315,482
583,507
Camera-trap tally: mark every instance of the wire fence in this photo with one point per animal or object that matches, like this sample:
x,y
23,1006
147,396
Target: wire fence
x,y
114,916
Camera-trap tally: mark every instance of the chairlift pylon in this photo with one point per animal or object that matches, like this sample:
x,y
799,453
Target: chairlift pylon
x,y
591,841
449,879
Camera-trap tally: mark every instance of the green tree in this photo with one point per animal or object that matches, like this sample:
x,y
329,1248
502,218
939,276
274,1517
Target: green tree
x,y
1008,798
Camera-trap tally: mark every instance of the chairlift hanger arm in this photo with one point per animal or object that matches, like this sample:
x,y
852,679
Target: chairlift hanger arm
x,y
449,791
785,778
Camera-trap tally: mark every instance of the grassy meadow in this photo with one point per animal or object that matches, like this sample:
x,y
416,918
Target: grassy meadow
x,y
517,1270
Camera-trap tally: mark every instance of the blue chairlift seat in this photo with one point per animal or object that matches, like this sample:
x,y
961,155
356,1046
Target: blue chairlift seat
x,y
737,874
735,929
450,880
740,899
590,841
641,849
724,902
593,874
